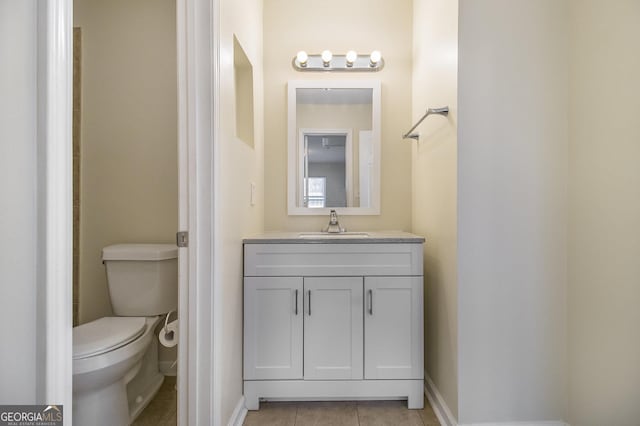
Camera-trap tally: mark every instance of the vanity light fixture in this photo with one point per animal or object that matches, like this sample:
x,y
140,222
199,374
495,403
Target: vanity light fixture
x,y
302,58
375,57
351,57
326,58
327,61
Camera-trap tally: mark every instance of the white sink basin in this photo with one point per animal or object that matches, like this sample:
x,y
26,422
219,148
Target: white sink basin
x,y
315,235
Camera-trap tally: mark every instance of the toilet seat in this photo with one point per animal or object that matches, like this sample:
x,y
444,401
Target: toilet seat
x,y
105,334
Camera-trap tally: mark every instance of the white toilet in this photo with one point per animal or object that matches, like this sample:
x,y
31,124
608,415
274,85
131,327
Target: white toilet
x,y
115,359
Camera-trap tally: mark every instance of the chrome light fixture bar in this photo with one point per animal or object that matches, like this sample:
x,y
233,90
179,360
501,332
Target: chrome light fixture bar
x,y
326,61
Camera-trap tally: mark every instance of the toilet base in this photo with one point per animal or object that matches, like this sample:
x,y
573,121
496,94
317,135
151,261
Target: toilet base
x,y
112,388
144,386
140,403
103,407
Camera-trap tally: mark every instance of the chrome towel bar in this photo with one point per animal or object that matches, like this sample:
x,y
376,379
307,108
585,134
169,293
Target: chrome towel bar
x,y
431,111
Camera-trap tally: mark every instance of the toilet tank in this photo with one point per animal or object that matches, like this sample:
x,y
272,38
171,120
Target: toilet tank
x,y
142,278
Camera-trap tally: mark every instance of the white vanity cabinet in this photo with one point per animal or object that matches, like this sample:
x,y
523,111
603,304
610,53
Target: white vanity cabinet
x,y
273,328
333,329
278,309
333,320
393,328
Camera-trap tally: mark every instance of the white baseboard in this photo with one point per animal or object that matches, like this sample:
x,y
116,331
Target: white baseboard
x,y
440,408
446,418
239,413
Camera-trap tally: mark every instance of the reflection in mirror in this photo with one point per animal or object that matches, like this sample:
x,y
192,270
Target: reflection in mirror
x,y
326,169
334,146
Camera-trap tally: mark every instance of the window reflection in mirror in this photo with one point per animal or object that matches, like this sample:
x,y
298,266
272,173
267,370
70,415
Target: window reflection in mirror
x,y
333,143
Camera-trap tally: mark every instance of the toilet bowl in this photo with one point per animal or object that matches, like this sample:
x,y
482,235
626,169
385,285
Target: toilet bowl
x,y
108,354
115,359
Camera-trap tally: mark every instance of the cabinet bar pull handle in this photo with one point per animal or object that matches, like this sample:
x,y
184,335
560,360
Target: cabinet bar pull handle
x,y
309,302
296,302
370,302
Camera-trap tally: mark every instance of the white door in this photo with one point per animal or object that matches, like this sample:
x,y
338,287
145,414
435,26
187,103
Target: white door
x,y
333,328
393,324
273,328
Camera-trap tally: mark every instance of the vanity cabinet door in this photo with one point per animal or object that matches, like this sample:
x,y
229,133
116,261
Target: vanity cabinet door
x,y
393,324
273,321
333,328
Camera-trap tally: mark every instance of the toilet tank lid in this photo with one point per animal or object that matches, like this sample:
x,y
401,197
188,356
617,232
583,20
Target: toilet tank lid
x,y
105,334
140,252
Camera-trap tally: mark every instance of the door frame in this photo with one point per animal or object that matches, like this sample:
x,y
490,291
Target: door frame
x,y
198,83
303,160
198,110
55,73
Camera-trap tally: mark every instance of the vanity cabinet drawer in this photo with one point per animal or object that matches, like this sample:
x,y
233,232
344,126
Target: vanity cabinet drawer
x,y
264,260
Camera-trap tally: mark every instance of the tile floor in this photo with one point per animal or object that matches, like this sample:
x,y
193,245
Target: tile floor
x,y
348,413
162,412
163,408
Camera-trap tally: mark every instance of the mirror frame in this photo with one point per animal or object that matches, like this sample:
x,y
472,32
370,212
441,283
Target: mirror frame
x,y
293,168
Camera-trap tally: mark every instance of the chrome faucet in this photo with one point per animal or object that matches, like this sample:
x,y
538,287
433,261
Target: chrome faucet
x,y
334,225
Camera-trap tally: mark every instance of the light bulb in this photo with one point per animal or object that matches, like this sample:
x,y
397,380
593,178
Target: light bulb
x,y
302,58
351,57
326,57
375,57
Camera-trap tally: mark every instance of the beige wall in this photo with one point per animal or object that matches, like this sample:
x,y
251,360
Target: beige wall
x,y
604,231
238,165
129,178
292,25
434,213
512,210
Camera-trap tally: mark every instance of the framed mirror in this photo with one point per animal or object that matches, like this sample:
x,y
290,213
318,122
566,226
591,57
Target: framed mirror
x,y
334,147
